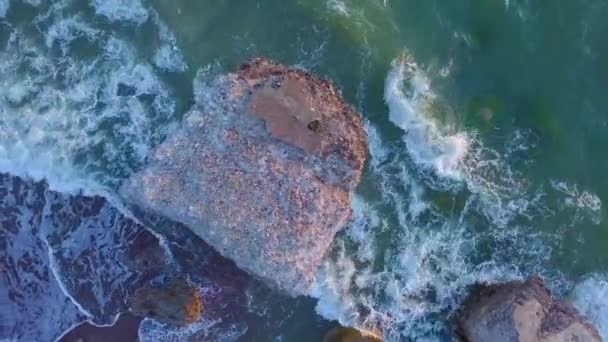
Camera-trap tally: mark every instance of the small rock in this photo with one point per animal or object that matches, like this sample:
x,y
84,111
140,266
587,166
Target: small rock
x,y
177,303
521,312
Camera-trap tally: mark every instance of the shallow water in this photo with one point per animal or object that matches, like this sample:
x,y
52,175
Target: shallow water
x,y
486,122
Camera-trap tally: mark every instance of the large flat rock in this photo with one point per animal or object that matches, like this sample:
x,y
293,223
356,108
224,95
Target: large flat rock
x,y
262,169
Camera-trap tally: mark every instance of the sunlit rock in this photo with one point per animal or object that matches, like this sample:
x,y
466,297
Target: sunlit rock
x,y
262,170
523,312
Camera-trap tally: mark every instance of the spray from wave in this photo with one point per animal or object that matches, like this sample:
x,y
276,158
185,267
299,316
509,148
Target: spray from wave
x,y
409,107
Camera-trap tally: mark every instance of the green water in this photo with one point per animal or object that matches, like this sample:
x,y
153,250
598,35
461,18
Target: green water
x,y
524,80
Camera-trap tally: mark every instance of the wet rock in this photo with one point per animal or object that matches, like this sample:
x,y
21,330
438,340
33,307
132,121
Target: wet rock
x,y
262,170
521,311
65,259
33,306
350,335
177,303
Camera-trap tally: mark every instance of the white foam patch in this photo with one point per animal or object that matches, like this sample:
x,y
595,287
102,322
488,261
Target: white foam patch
x,y
427,142
338,7
79,123
4,7
168,57
576,198
585,201
121,10
202,330
448,158
590,296
65,31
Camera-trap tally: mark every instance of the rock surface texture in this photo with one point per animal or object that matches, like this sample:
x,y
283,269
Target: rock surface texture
x,y
521,312
177,303
350,335
262,169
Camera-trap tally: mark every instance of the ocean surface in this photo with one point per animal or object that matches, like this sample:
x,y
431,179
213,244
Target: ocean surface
x,y
487,123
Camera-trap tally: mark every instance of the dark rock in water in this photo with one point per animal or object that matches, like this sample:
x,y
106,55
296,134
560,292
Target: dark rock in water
x,y
262,170
350,335
176,303
521,311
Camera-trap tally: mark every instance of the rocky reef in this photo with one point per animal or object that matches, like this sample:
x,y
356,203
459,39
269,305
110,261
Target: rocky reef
x,y
523,312
262,170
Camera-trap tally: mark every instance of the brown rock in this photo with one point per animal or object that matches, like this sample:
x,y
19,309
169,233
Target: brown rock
x,y
177,303
262,170
523,312
350,335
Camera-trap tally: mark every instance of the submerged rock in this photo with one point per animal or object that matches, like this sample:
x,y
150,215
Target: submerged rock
x,y
176,303
521,311
351,335
262,170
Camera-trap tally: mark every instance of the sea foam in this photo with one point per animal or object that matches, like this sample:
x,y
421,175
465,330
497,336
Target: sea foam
x,y
121,10
590,296
81,122
429,144
417,240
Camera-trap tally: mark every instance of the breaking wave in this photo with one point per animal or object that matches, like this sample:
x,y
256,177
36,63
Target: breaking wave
x,y
429,144
433,223
590,296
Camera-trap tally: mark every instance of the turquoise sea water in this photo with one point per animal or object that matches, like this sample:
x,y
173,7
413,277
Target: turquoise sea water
x,y
486,119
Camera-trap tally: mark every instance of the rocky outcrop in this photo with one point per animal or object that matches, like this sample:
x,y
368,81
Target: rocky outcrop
x,y
262,170
176,303
521,311
350,335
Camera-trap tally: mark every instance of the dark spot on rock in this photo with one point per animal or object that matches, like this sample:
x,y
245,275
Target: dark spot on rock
x,y
314,126
276,84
